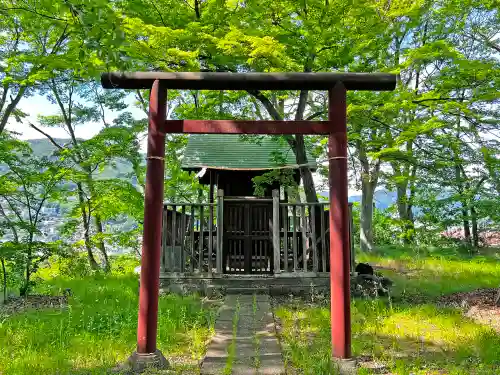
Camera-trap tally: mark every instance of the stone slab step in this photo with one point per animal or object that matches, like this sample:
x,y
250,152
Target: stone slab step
x,y
246,290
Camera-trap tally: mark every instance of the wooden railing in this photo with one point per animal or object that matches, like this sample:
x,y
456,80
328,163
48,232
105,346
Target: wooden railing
x,y
294,240
191,237
301,241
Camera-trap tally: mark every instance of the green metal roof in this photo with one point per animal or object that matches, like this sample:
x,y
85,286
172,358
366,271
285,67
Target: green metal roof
x,y
230,151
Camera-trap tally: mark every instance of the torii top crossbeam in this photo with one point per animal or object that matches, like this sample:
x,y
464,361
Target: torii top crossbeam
x,y
249,81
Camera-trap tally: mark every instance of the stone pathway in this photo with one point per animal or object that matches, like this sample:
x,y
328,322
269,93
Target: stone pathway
x,y
245,340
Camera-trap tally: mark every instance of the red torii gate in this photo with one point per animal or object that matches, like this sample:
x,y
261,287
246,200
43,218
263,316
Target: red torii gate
x,y
336,128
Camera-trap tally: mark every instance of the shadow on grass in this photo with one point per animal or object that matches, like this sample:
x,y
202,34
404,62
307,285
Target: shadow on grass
x,y
440,252
423,278
407,339
97,329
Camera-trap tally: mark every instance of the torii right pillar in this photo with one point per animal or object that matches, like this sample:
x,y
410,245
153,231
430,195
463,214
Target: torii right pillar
x,y
340,303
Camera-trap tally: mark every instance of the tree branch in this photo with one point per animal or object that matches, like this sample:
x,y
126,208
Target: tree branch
x,y
52,140
431,100
273,112
34,12
158,11
10,107
314,115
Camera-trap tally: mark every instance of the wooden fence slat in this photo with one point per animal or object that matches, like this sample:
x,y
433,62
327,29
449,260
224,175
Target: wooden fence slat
x,y
210,239
183,238
312,220
285,238
351,238
200,242
294,239
276,230
191,242
164,243
243,244
263,256
323,239
220,231
304,237
174,232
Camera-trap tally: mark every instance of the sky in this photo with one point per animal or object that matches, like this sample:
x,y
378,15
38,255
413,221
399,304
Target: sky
x,y
39,105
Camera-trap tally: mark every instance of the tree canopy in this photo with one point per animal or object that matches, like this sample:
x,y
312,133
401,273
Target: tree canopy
x,y
434,141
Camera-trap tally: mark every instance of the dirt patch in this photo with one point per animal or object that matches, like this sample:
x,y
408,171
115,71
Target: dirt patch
x,y
17,305
478,305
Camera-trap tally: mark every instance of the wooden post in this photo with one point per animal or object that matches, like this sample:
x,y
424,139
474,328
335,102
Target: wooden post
x,y
294,239
351,238
312,220
151,244
191,241
276,230
183,238
200,241
339,225
220,230
163,255
173,255
210,238
323,238
303,227
211,190
285,238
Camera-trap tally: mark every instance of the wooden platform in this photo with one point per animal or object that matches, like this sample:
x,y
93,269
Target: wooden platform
x,y
303,283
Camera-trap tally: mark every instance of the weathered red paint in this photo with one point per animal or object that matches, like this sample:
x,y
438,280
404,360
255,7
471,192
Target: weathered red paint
x,y
337,151
339,225
153,207
247,127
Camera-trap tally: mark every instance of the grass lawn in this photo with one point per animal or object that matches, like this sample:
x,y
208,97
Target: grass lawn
x,y
409,334
97,329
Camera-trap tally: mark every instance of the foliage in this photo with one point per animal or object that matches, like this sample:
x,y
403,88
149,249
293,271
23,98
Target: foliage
x,y
28,184
434,140
411,334
98,327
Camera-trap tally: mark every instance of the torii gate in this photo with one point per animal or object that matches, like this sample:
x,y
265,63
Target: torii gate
x,y
335,128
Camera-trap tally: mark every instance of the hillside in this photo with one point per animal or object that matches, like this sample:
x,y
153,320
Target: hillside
x,y
43,147
383,199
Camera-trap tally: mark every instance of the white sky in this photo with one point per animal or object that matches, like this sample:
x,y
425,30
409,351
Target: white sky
x,y
38,105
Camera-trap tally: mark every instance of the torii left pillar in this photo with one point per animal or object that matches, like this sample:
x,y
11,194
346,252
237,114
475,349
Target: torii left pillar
x,y
147,354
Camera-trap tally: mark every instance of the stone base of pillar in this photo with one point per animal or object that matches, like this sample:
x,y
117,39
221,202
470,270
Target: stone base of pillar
x,y
346,366
137,363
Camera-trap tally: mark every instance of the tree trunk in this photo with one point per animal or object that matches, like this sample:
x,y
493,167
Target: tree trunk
x,y
366,217
405,212
475,230
305,172
97,221
86,229
369,180
4,272
465,213
24,289
466,226
100,243
11,107
310,191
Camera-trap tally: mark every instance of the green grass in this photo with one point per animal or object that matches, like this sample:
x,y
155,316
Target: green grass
x,y
231,349
411,335
429,274
97,330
